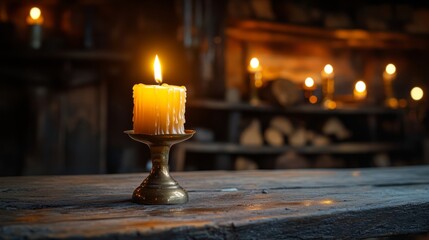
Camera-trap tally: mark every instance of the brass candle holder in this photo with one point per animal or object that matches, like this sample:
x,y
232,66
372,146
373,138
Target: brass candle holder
x,y
159,188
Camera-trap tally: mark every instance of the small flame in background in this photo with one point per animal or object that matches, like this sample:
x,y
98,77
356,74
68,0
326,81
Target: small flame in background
x,y
360,86
416,93
309,82
390,68
328,69
35,16
254,63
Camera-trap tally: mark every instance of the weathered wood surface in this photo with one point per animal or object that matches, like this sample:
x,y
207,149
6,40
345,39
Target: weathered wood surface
x,y
279,204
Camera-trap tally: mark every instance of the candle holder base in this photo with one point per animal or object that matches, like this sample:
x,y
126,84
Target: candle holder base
x,y
159,188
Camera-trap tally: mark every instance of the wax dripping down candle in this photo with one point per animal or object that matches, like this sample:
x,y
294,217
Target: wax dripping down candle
x,y
159,109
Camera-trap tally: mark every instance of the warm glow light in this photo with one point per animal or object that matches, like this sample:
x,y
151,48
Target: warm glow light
x,y
35,13
402,103
312,99
254,63
360,86
327,202
157,70
329,104
416,93
35,16
309,82
328,69
390,68
258,79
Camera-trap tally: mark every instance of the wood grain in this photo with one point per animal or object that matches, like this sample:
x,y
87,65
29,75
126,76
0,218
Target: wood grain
x,y
271,204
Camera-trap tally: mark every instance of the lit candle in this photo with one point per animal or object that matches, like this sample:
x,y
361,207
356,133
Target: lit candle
x,y
328,86
255,71
416,108
254,65
328,71
159,109
309,86
390,72
328,81
360,92
35,20
389,75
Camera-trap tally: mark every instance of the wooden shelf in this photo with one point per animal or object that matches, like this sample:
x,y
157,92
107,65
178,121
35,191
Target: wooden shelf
x,y
340,148
301,109
260,31
236,111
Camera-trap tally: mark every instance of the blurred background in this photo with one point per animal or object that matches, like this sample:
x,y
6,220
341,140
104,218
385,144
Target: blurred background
x,y
67,69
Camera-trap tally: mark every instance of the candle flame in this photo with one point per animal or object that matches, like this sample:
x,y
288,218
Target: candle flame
x,y
157,70
309,82
35,13
254,63
328,69
360,86
35,16
416,93
390,68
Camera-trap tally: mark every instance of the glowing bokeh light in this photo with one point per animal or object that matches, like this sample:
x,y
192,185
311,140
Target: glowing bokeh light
x,y
328,69
254,63
390,68
360,86
35,13
309,82
416,93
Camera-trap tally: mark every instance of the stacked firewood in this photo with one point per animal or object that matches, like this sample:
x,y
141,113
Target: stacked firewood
x,y
281,131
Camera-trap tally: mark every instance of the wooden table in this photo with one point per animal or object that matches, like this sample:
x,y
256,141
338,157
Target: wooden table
x,y
271,204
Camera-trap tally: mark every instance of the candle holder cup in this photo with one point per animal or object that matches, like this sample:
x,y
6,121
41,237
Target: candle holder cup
x,y
159,188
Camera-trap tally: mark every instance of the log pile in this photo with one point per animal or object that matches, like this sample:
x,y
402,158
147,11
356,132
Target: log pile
x,y
281,131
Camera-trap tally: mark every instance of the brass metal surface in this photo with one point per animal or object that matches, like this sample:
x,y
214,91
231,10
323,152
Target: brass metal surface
x,y
159,188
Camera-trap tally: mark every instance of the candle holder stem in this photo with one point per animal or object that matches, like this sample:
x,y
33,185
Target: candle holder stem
x,y
159,187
